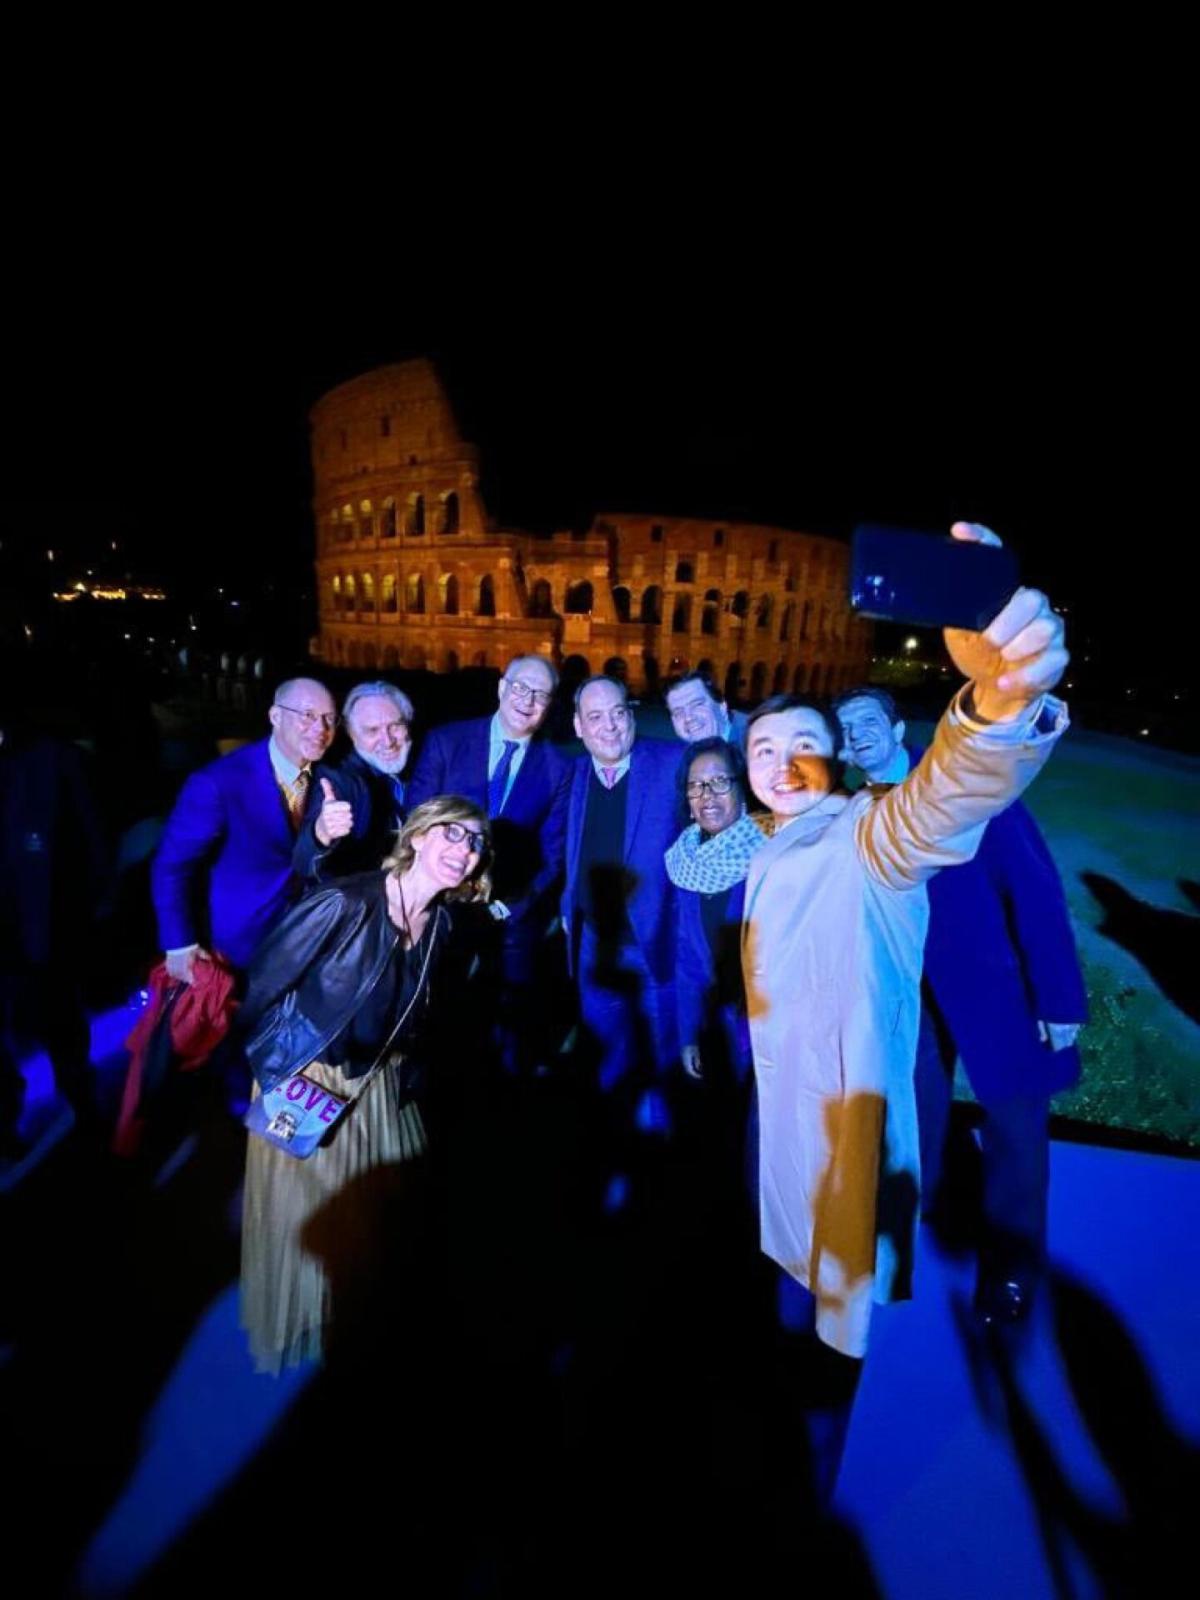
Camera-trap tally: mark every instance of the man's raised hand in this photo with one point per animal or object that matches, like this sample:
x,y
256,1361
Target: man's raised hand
x,y
335,818
1018,657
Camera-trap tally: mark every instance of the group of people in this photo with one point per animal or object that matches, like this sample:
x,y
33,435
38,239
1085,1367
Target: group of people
x,y
737,910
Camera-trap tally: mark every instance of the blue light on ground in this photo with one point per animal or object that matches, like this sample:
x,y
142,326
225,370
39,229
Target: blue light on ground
x,y
213,1415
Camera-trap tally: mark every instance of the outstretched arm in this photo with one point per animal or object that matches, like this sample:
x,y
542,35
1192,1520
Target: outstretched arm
x,y
988,747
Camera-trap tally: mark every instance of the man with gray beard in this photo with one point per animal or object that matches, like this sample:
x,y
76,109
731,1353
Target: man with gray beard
x,y
353,816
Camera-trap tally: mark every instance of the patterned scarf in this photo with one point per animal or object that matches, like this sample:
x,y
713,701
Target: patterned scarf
x,y
709,864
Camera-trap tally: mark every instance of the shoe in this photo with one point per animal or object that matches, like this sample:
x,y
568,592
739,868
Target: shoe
x,y
1000,1302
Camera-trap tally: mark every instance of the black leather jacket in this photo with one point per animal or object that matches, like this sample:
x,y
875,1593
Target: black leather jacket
x,y
315,969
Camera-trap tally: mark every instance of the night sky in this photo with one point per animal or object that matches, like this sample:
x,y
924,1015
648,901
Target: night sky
x,y
178,418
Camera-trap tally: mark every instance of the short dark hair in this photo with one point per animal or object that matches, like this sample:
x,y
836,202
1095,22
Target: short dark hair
x,y
729,753
799,702
868,691
601,677
706,678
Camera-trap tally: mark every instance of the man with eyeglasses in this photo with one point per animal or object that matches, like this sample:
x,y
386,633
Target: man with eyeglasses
x,y
354,813
521,781
619,906
223,873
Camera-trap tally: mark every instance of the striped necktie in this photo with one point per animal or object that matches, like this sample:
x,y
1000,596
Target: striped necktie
x,y
294,796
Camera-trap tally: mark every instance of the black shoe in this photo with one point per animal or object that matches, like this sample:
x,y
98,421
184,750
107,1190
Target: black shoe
x,y
1000,1302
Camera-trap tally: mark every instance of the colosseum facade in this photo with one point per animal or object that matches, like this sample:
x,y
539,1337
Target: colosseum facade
x,y
413,573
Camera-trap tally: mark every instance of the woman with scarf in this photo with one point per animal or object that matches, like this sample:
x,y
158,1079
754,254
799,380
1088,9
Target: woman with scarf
x,y
708,865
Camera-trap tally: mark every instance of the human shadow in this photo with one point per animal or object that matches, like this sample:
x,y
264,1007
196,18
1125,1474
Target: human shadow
x,y
1155,1469
1165,941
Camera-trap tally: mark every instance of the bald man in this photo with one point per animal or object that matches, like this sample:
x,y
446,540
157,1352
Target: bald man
x,y
223,873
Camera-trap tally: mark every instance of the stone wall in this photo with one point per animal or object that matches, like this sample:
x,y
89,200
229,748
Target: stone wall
x,y
412,573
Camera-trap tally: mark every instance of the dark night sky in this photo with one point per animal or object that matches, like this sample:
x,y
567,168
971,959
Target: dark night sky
x,y
174,408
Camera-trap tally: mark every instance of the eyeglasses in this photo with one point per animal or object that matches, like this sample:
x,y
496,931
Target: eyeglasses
x,y
716,786
526,694
327,719
455,833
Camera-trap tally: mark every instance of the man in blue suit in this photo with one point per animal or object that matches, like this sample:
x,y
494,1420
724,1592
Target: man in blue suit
x,y
223,871
619,908
1003,990
353,815
521,781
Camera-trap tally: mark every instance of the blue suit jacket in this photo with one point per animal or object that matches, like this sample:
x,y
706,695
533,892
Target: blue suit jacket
x,y
223,872
528,836
652,821
1000,956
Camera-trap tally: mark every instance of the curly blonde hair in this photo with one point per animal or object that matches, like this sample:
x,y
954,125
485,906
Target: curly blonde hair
x,y
435,813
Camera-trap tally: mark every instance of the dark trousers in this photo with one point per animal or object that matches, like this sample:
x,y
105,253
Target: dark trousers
x,y
1002,1188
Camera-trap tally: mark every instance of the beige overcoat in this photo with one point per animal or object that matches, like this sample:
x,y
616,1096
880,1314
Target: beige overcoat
x,y
832,944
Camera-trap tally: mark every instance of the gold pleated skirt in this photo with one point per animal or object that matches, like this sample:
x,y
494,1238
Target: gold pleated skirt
x,y
316,1232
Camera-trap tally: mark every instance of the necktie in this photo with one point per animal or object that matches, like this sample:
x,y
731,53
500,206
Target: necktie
x,y
398,797
498,782
294,795
610,776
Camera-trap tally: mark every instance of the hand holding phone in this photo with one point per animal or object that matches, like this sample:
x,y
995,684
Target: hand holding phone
x,y
1018,656
1004,638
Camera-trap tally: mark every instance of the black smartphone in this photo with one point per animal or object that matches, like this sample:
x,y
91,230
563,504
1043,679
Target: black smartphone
x,y
928,580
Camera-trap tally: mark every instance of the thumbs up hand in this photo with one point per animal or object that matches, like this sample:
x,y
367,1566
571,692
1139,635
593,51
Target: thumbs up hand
x,y
335,818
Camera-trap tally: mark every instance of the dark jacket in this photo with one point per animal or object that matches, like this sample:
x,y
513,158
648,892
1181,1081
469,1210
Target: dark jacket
x,y
710,994
377,816
56,873
651,827
528,836
315,969
1000,957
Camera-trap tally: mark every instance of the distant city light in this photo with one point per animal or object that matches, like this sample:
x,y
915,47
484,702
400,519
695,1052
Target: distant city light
x,y
911,644
49,555
1145,732
129,636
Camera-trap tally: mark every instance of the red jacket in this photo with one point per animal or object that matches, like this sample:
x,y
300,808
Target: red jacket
x,y
196,1017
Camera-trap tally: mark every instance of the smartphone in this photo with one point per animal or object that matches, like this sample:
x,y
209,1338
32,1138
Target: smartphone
x,y
928,580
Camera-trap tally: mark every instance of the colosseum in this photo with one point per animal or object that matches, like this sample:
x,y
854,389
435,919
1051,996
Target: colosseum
x,y
413,573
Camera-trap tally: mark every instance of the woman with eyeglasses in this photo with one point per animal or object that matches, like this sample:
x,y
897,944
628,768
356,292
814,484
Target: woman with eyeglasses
x,y
708,865
345,991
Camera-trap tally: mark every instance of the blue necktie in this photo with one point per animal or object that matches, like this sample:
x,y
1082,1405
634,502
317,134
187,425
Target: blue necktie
x,y
398,796
498,782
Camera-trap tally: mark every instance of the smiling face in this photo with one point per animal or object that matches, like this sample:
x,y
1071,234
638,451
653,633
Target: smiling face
x,y
304,726
713,812
788,760
605,723
447,854
694,713
526,691
871,740
379,734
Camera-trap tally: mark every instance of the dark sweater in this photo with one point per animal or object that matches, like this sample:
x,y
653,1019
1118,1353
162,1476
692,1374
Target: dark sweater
x,y
604,889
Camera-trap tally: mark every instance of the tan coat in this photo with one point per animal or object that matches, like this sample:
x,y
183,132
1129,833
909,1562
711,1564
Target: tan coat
x,y
832,944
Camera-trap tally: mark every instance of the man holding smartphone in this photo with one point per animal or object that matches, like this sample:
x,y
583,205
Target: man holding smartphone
x,y
1002,989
